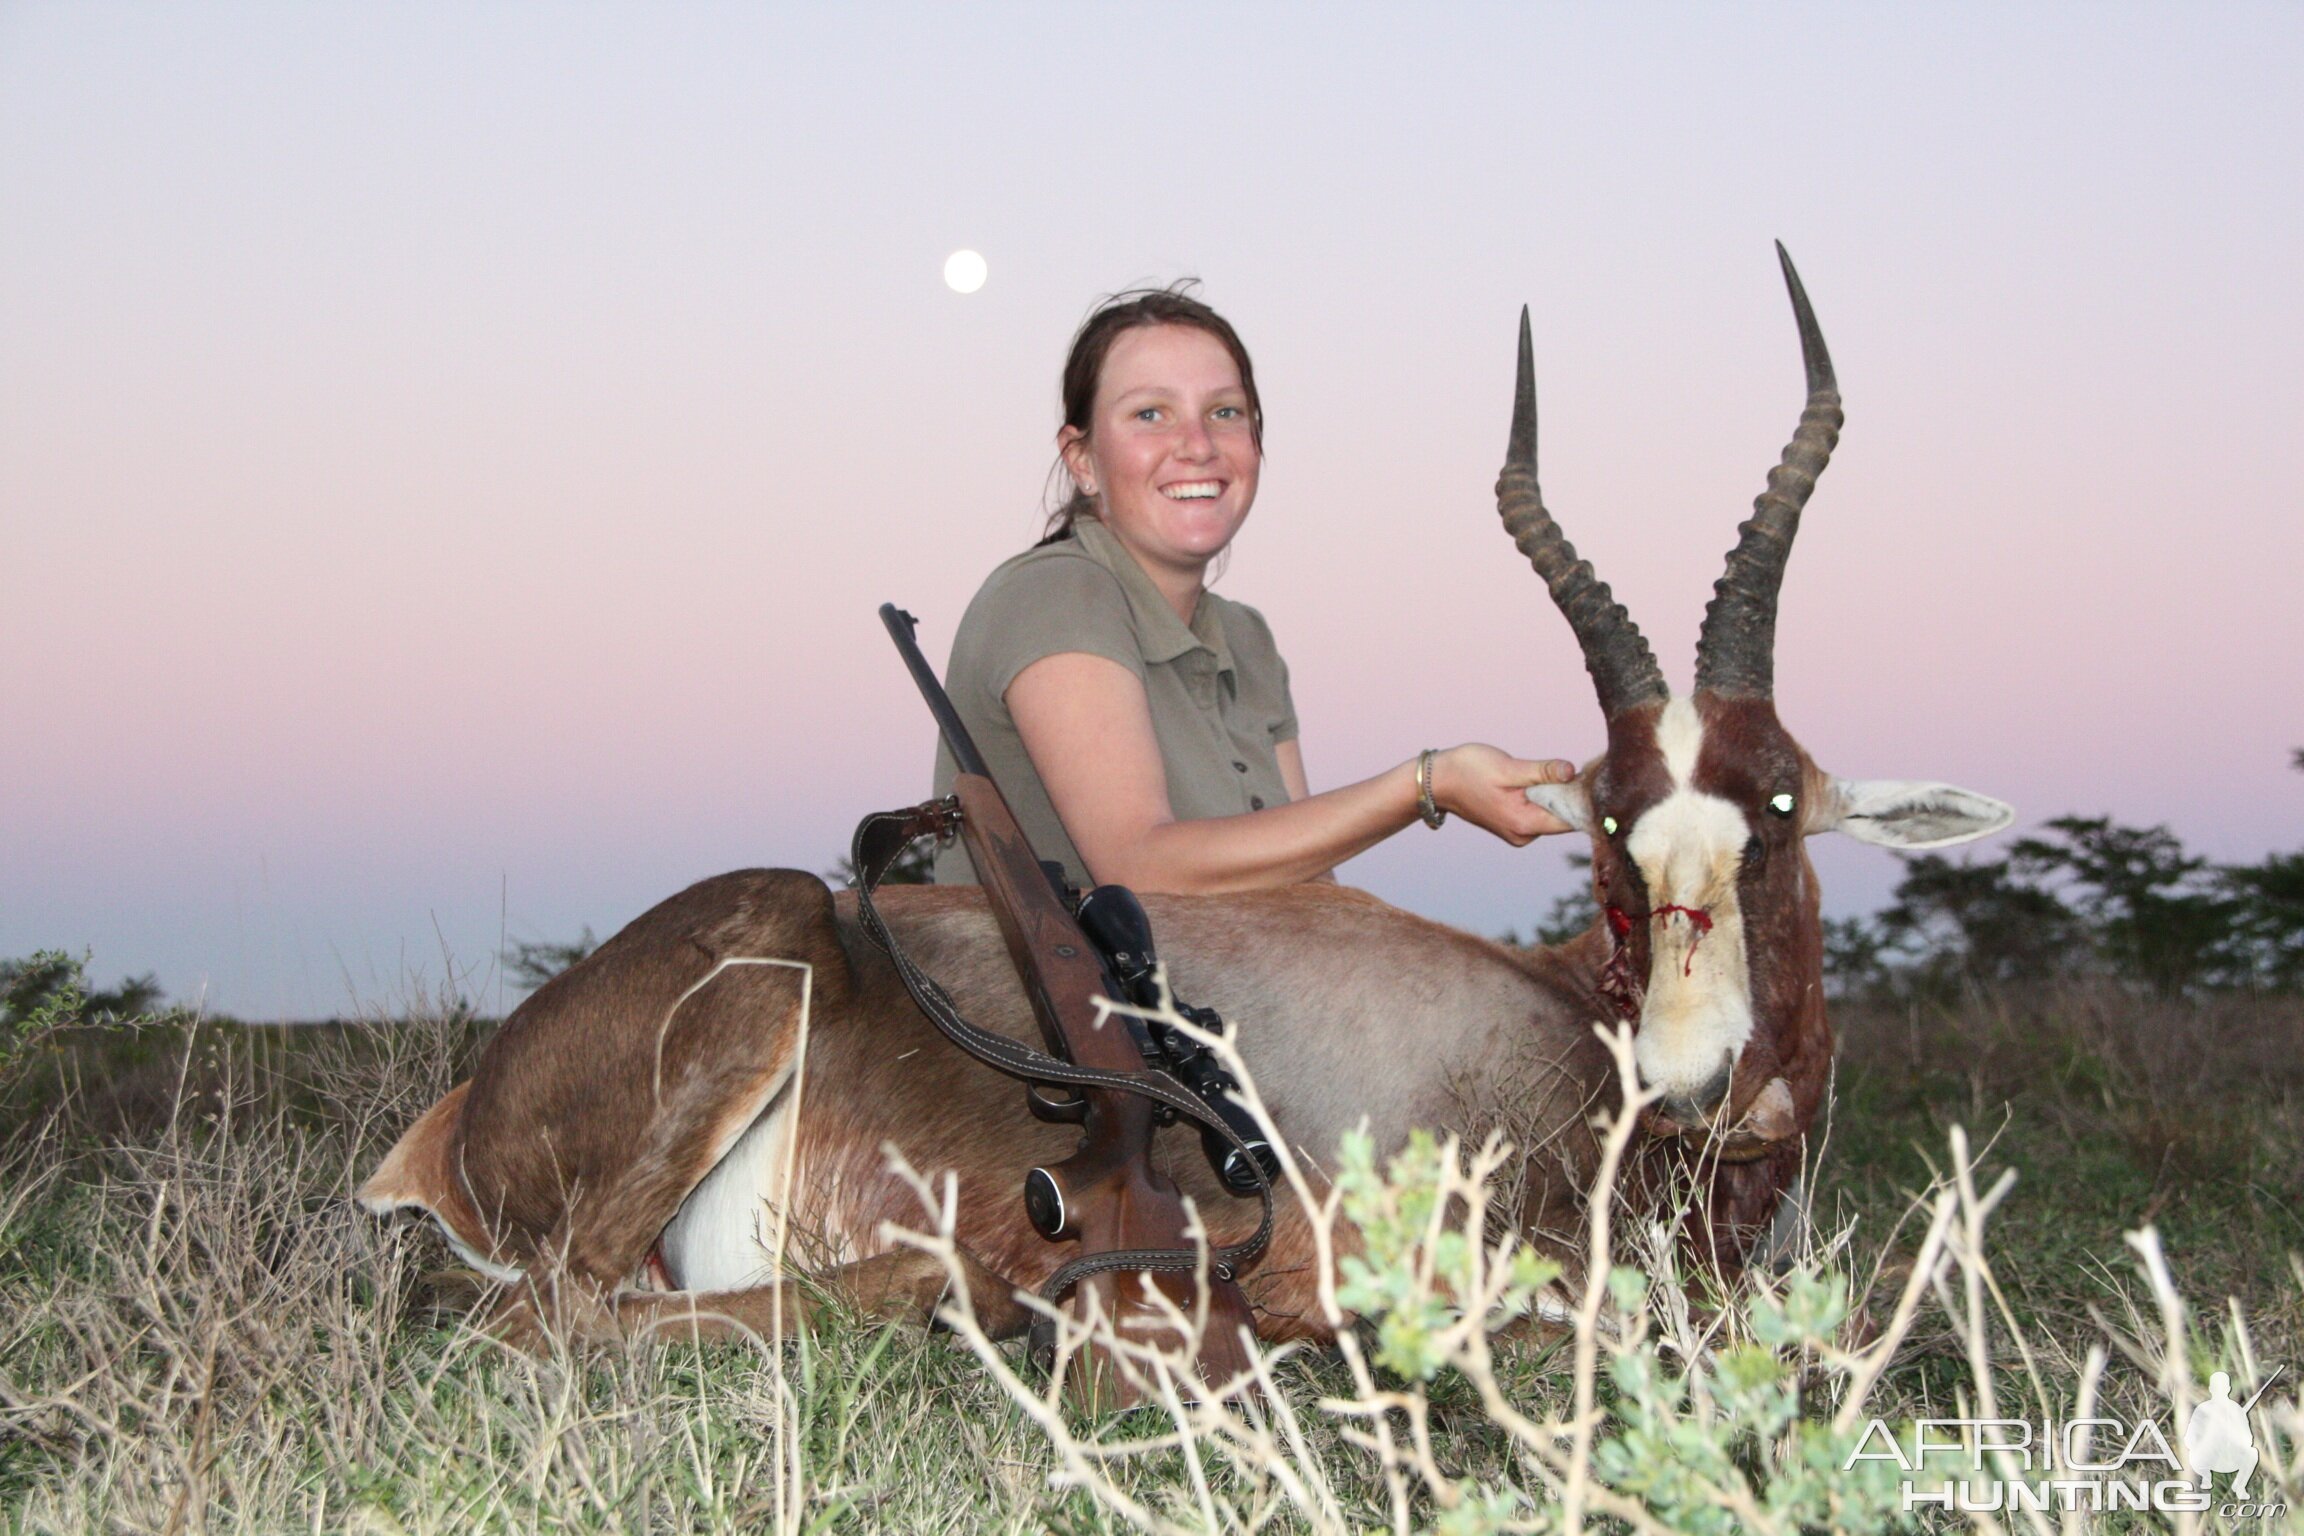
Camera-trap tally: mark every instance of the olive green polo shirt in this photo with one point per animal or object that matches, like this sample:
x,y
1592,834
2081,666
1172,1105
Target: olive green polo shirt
x,y
1217,687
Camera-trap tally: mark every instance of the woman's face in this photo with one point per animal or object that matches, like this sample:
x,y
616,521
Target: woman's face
x,y
1171,451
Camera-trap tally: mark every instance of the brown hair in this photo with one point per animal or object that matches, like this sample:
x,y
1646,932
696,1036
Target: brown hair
x,y
1084,366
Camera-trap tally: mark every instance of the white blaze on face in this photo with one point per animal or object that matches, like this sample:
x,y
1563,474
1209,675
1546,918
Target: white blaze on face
x,y
1688,849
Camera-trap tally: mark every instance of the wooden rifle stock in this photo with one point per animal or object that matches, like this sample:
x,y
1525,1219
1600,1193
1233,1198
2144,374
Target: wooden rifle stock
x,y
1106,1196
1060,969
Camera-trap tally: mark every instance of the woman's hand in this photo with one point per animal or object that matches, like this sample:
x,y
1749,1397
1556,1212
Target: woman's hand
x,y
1488,788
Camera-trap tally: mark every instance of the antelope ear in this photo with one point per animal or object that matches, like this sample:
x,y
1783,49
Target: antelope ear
x,y
1570,802
1901,813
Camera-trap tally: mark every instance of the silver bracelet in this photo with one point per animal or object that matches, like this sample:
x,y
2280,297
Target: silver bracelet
x,y
1425,806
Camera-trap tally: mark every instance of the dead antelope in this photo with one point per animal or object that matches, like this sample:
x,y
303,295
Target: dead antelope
x,y
733,1064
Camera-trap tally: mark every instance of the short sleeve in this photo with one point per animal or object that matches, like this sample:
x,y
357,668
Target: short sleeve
x,y
1045,604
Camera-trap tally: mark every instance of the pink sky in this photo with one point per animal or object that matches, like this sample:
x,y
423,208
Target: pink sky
x,y
449,463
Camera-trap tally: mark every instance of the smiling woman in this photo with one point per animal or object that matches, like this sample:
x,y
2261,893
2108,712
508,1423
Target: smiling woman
x,y
1139,724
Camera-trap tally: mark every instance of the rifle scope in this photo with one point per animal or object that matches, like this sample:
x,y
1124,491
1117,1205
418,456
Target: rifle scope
x,y
1115,923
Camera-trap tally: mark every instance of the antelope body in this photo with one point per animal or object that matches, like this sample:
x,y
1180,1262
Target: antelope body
x,y
729,1069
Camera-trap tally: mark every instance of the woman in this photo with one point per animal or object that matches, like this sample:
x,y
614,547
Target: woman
x,y
1139,724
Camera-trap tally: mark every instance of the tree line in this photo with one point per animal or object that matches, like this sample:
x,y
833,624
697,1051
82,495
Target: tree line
x,y
2086,897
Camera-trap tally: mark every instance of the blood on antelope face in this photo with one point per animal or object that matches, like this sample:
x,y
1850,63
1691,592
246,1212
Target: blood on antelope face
x,y
1698,808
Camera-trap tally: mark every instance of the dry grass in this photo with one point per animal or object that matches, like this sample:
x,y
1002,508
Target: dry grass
x,y
198,1331
2116,1110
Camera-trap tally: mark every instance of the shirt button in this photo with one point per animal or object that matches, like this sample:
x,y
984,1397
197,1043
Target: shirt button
x,y
1243,767
1255,802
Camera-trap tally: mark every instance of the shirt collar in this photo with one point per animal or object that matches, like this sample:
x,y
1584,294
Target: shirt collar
x,y
1159,632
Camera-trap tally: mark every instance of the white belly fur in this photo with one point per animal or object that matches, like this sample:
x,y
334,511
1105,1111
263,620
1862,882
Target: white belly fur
x,y
728,1234
724,1237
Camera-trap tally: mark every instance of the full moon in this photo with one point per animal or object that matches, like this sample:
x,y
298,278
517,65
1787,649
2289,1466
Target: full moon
x,y
965,271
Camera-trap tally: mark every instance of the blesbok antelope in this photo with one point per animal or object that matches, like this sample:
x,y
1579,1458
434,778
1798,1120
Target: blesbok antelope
x,y
739,1057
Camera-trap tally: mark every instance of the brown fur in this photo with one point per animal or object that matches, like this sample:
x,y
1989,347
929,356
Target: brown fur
x,y
575,1168
1747,758
420,1173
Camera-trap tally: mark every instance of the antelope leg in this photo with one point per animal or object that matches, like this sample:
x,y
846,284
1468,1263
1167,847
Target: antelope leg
x,y
891,1286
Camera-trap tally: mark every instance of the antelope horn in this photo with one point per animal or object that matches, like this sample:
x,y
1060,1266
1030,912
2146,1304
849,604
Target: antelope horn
x,y
1624,670
1736,653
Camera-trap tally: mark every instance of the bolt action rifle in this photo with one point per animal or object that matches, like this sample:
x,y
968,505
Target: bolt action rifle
x,y
1127,1218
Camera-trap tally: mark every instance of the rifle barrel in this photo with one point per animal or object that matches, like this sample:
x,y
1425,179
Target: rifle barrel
x,y
964,754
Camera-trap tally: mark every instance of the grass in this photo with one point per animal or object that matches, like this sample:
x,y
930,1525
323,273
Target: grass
x,y
2115,1111
199,1333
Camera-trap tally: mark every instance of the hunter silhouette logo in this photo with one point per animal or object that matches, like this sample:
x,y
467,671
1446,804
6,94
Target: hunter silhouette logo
x,y
2216,1438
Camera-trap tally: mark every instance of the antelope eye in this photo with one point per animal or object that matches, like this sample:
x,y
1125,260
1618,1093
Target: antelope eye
x,y
1781,805
1608,825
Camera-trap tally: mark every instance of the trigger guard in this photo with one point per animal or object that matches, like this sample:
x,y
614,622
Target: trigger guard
x,y
1055,1111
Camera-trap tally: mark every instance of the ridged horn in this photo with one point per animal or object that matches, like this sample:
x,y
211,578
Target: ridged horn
x,y
1624,670
1736,653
